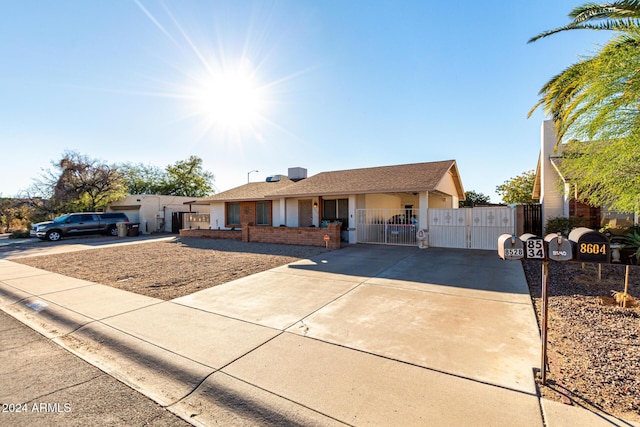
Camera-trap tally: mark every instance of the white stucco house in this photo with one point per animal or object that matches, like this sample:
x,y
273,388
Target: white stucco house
x,y
156,213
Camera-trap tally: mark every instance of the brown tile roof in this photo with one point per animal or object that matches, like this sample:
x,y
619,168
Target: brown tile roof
x,y
414,177
249,192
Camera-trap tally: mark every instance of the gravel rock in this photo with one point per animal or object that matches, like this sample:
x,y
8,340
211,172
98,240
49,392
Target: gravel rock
x,y
594,345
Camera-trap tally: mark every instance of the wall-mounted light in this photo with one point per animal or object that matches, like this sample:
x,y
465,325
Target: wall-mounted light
x,y
315,205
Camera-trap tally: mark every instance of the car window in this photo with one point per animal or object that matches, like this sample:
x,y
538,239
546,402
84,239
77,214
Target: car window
x,y
62,218
86,217
74,219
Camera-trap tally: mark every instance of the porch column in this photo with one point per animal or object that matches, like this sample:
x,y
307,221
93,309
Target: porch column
x,y
424,208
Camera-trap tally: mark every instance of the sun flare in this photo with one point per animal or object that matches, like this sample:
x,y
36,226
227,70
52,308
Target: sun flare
x,y
231,100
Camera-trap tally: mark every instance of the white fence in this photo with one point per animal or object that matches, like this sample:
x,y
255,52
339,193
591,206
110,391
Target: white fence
x,y
468,228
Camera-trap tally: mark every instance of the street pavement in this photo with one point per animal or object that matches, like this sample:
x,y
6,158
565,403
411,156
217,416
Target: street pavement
x,y
366,335
44,384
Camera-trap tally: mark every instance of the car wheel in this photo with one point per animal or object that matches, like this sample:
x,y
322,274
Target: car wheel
x,y
54,236
113,231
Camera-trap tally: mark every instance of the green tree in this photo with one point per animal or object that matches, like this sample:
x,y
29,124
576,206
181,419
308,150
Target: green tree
x,y
143,179
183,178
607,173
187,178
518,190
618,15
77,183
472,198
596,98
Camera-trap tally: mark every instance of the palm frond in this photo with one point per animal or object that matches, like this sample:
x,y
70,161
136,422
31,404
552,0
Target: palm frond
x,y
623,15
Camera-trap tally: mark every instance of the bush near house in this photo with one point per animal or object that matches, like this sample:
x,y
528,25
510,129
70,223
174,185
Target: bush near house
x,y
564,225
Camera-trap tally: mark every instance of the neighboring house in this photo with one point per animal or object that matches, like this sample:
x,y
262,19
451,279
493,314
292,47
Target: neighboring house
x,y
396,197
156,213
558,196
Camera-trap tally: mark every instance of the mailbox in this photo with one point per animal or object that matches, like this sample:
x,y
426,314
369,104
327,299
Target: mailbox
x,y
533,246
590,245
510,247
558,247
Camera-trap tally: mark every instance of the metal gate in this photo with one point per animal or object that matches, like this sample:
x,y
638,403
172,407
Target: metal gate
x,y
387,226
470,228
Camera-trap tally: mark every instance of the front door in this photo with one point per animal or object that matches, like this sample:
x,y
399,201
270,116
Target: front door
x,y
305,213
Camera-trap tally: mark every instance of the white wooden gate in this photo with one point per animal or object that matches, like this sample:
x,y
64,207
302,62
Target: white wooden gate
x,y
470,228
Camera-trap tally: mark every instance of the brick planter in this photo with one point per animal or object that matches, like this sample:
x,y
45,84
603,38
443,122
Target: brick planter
x,y
301,236
213,234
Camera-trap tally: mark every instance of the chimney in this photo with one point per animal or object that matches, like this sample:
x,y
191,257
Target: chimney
x,y
297,174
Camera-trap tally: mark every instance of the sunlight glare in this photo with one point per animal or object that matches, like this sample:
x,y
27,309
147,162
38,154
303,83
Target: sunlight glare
x,y
230,100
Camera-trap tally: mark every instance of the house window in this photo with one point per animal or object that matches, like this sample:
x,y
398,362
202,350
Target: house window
x,y
233,213
329,210
337,209
263,213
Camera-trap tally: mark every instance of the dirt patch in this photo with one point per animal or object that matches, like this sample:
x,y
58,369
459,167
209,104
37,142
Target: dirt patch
x,y
594,345
169,270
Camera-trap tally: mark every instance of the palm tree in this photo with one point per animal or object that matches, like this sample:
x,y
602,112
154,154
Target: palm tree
x,y
597,97
618,16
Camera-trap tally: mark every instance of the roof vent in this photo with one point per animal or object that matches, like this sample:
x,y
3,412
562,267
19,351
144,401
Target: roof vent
x,y
274,178
297,174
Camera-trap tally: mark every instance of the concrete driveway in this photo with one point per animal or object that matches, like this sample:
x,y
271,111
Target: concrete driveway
x,y
395,336
360,336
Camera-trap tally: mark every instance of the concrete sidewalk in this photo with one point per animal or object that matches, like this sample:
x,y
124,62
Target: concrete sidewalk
x,y
360,336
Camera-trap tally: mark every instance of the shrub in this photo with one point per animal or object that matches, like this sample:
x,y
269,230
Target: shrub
x,y
563,225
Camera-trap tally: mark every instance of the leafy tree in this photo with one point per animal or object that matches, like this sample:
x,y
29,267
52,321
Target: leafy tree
x,y
518,190
607,173
77,183
15,214
143,179
472,198
183,178
187,178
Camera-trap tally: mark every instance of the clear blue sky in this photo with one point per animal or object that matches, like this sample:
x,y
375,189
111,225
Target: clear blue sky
x,y
329,85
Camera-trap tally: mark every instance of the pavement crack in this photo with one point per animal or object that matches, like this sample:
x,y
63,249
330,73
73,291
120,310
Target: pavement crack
x,y
37,398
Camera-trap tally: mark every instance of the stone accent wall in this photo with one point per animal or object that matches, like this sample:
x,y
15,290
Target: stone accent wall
x,y
301,236
213,234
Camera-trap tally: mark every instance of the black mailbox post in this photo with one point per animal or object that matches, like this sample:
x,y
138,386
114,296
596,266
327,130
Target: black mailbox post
x,y
590,245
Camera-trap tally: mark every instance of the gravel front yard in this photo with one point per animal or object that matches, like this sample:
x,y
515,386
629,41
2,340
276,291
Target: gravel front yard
x,y
169,270
594,346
